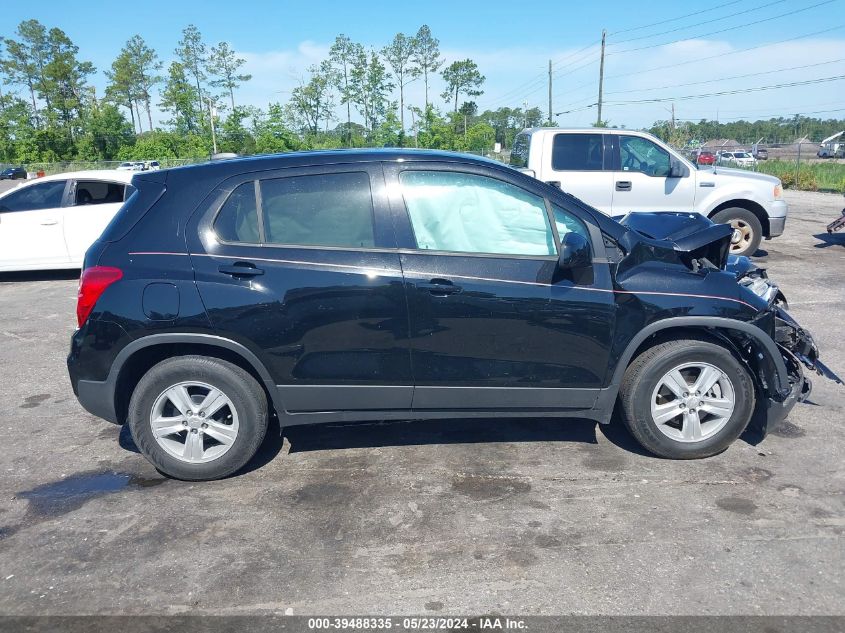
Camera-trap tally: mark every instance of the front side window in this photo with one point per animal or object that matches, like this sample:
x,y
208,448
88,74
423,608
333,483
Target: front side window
x,y
565,223
45,195
98,192
640,154
577,152
466,213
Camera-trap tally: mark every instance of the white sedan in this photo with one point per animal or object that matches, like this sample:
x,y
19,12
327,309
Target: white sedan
x,y
50,222
742,159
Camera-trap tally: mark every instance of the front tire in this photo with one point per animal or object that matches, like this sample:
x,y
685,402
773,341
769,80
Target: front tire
x,y
197,418
748,231
686,399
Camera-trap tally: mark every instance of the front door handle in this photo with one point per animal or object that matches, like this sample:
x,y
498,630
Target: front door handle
x,y
49,222
623,185
440,287
240,269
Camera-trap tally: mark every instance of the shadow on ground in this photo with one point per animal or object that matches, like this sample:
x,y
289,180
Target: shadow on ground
x,y
39,275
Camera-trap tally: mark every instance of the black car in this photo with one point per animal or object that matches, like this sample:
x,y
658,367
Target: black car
x,y
13,173
393,284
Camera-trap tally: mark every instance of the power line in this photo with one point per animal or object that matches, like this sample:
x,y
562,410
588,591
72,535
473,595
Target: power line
x,y
689,26
722,55
725,30
708,81
761,117
806,82
680,17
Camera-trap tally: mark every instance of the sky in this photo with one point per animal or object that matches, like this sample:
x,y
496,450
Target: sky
x,y
655,51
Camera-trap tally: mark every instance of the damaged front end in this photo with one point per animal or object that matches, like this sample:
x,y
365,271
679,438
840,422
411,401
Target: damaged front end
x,y
702,245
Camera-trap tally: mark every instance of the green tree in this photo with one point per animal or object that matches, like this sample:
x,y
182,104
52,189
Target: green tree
x,y
144,68
398,54
272,133
106,132
311,101
344,55
371,86
121,88
192,54
179,98
65,80
426,56
462,77
224,65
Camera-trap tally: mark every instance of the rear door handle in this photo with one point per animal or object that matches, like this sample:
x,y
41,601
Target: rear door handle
x,y
49,222
440,287
241,269
623,185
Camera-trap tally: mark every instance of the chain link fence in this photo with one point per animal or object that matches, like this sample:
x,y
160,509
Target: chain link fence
x,y
800,165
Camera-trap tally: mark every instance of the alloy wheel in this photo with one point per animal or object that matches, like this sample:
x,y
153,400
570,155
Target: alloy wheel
x,y
194,422
692,402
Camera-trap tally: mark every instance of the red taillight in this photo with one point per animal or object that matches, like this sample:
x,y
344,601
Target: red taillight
x,y
92,283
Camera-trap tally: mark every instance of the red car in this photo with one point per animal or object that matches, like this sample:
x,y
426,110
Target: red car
x,y
705,157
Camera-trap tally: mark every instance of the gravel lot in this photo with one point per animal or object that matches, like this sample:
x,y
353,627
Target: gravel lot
x,y
522,517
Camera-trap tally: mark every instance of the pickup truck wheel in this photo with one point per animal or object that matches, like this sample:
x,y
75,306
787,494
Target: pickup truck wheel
x,y
197,418
748,232
686,399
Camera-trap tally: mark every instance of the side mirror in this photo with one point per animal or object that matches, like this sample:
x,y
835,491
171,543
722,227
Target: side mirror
x,y
576,258
677,169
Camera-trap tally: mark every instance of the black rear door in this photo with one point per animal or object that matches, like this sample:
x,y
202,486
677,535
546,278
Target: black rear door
x,y
300,266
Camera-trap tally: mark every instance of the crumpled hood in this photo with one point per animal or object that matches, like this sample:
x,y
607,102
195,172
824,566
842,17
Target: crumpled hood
x,y
692,235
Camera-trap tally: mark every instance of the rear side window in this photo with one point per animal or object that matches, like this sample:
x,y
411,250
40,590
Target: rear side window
x,y
320,210
238,217
519,151
577,152
98,192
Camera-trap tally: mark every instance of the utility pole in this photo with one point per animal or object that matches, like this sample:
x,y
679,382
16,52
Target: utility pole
x,y
601,77
525,114
673,116
211,119
550,92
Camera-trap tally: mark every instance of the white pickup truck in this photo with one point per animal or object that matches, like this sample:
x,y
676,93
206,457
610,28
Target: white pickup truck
x,y
623,171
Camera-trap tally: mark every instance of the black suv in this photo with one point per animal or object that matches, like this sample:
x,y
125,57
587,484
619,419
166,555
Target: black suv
x,y
390,284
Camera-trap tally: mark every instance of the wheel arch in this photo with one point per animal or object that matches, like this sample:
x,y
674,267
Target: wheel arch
x,y
749,205
138,357
717,329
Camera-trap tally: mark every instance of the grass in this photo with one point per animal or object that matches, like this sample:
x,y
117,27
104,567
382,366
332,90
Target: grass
x,y
815,176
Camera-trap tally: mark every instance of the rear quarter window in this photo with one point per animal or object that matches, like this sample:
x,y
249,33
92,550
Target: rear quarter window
x,y
519,151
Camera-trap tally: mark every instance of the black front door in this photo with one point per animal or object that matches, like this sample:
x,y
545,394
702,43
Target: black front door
x,y
491,326
300,266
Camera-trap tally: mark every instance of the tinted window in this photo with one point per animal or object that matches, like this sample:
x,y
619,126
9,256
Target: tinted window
x,y
519,151
640,154
465,213
98,192
238,217
45,195
323,210
577,152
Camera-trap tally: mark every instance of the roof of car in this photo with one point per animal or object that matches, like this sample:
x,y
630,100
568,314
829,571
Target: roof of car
x,y
91,174
325,157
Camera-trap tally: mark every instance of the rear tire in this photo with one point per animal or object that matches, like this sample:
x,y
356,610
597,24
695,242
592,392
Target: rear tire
x,y
660,405
198,418
748,231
